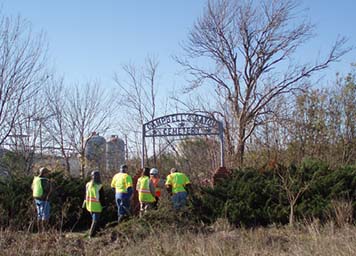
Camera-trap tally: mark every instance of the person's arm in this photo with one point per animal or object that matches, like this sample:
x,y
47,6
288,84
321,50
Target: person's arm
x,y
152,189
169,184
113,182
129,186
186,180
187,185
85,196
138,185
129,191
188,188
102,197
169,189
46,188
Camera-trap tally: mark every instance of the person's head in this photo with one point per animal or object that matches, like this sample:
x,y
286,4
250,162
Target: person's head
x,y
173,170
123,168
154,172
146,172
95,176
43,172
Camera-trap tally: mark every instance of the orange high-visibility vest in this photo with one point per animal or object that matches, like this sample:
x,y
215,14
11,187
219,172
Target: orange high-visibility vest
x,y
155,182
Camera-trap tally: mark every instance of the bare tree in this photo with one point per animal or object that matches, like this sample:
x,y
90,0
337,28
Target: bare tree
x,y
294,183
245,49
138,99
198,156
272,138
321,124
89,109
56,120
345,95
21,69
26,133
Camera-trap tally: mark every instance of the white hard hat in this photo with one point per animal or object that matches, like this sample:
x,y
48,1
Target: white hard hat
x,y
153,171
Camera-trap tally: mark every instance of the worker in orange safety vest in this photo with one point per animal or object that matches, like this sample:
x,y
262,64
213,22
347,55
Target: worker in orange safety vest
x,y
158,183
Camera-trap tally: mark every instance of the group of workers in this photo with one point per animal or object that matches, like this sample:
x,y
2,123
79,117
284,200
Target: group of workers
x,y
148,186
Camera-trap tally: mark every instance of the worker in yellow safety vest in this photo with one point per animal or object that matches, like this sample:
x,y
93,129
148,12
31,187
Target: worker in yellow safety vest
x,y
122,184
41,190
177,184
146,191
158,183
93,200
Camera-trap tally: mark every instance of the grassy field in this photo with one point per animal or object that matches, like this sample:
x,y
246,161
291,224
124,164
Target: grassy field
x,y
219,239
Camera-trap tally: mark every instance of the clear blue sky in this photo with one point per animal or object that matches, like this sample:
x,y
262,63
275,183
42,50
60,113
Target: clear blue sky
x,y
91,39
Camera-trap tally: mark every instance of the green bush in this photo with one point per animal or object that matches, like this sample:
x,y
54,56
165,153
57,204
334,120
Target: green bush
x,y
251,198
18,208
339,185
16,202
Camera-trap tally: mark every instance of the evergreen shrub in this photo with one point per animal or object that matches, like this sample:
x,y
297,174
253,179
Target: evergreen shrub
x,y
252,197
17,208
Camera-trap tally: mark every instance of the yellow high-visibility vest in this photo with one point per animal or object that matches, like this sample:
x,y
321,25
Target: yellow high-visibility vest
x,y
144,193
37,189
92,199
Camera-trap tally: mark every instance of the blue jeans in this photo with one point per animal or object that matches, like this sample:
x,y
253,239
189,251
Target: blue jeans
x,y
179,200
95,216
43,209
123,205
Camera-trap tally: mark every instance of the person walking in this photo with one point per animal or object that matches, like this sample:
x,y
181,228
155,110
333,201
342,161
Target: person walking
x,y
158,183
93,200
146,191
177,184
122,183
41,190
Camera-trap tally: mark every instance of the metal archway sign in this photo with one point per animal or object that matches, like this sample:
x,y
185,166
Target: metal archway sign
x,y
183,124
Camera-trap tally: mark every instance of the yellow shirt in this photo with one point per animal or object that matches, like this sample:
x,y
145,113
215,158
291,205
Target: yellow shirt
x,y
178,181
121,182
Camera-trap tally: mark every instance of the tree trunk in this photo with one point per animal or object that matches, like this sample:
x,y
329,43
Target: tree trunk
x,y
67,165
240,154
229,142
82,165
241,147
154,151
291,215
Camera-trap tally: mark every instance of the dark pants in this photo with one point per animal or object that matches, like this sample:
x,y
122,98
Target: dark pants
x,y
123,206
94,223
179,200
155,204
43,209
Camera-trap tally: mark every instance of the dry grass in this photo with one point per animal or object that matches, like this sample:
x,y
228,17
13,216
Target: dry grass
x,y
221,239
341,212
